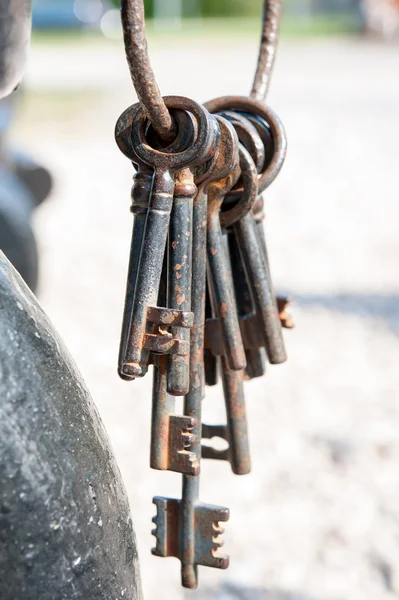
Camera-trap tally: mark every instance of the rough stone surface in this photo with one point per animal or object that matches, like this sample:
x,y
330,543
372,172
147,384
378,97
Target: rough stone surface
x,y
15,24
65,527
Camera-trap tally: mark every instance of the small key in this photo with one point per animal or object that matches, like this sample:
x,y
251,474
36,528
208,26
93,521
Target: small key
x,y
221,283
206,542
157,225
258,271
141,193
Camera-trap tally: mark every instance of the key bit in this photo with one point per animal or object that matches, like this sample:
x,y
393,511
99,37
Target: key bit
x,y
168,532
172,437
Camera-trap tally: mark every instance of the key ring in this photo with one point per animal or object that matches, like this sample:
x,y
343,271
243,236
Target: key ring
x,y
142,74
249,194
245,104
186,131
200,147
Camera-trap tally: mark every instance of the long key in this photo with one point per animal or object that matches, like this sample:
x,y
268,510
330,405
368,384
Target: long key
x,y
173,441
222,285
188,529
157,222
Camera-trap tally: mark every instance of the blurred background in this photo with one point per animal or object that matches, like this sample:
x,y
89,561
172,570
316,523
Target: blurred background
x,y
318,517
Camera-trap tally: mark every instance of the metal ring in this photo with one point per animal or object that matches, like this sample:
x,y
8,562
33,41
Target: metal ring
x,y
244,104
248,135
250,191
197,151
186,126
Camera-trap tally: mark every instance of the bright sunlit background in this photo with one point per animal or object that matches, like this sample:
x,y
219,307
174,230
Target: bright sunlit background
x,y
318,518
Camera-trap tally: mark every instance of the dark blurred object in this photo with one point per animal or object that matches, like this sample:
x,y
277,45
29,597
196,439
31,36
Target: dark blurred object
x,y
24,184
68,14
65,525
15,27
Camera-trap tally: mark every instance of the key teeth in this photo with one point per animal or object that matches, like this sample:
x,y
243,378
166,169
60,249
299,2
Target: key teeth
x,y
181,441
209,532
166,527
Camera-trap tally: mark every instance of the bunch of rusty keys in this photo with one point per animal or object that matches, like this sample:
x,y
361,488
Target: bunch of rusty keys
x,y
198,234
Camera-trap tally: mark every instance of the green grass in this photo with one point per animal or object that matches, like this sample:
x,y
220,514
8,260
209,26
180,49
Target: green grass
x,y
213,28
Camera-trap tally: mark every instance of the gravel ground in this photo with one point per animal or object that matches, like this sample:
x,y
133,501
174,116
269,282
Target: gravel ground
x,y
318,518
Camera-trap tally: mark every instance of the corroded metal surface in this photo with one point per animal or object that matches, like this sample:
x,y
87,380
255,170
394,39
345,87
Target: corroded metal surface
x,y
268,47
212,254
141,71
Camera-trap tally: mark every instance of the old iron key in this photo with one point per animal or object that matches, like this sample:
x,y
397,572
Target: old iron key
x,y
221,284
251,139
173,436
256,265
156,231
187,528
141,193
235,431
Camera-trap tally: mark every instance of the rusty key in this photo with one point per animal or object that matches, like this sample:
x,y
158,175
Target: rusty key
x,y
221,283
141,193
139,343
188,529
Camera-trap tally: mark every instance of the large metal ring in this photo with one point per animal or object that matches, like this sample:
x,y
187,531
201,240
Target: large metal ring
x,y
251,105
201,146
186,126
250,191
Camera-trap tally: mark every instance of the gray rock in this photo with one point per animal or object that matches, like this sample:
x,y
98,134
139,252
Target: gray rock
x,y
15,26
65,526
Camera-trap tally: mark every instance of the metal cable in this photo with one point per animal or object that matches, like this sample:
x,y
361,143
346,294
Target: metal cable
x,y
141,71
267,51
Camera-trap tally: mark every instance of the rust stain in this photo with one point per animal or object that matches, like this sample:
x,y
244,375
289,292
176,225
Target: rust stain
x,y
174,245
213,251
180,299
178,267
223,310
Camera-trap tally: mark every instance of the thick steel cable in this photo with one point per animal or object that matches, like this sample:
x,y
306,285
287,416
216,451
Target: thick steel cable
x,y
268,47
141,71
